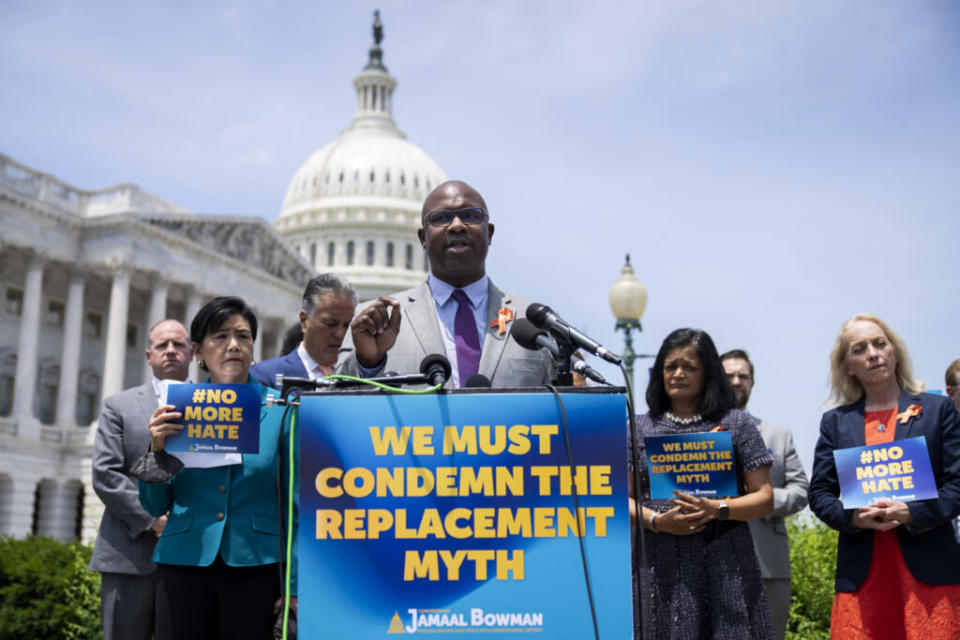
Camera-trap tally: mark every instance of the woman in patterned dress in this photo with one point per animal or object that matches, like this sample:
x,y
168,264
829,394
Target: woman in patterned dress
x,y
898,563
700,578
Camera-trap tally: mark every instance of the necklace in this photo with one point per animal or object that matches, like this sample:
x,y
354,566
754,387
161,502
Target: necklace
x,y
882,417
683,421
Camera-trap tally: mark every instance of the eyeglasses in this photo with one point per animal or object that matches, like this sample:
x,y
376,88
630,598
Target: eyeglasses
x,y
443,217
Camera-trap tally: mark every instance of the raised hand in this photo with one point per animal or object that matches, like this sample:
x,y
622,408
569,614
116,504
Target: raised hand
x,y
375,330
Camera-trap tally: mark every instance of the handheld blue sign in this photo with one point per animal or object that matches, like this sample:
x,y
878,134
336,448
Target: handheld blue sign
x,y
700,464
898,470
217,418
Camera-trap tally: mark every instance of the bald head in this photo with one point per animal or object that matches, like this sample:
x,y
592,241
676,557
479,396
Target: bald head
x,y
450,193
168,350
457,249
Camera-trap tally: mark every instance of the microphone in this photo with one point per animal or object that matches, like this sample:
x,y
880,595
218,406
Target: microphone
x,y
543,316
436,368
478,380
529,337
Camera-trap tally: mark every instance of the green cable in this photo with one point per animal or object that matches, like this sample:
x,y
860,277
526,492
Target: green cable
x,y
385,387
293,426
286,599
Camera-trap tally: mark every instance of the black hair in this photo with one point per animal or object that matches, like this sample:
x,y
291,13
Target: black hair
x,y
326,284
292,338
213,314
738,354
718,396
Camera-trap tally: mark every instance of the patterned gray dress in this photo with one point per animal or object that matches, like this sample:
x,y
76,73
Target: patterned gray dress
x,y
708,584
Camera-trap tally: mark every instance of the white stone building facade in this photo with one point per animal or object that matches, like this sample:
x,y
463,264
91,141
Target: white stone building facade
x,y
85,273
83,276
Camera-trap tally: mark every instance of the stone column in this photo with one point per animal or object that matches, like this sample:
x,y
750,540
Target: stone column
x,y
21,510
92,505
194,302
70,363
25,384
258,343
113,363
158,312
46,507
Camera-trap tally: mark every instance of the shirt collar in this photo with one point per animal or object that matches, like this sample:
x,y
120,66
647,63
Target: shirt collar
x,y
308,362
157,382
442,291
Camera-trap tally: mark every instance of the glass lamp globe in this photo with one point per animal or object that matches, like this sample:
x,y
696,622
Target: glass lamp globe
x,y
628,297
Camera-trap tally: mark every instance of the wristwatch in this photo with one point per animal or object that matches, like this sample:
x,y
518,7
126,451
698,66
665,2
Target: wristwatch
x,y
723,511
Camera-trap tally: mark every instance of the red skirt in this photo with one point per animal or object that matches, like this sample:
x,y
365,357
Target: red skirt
x,y
892,604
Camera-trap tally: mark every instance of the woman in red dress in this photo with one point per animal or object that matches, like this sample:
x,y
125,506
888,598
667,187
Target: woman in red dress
x,y
898,564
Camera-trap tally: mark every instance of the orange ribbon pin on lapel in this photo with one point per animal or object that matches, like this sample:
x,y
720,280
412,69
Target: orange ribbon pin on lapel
x,y
504,316
912,411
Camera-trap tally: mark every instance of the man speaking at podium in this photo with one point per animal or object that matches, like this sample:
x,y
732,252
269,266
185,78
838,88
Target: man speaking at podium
x,y
457,312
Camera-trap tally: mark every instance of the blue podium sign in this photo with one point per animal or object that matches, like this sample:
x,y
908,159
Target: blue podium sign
x,y
700,464
898,470
455,513
217,418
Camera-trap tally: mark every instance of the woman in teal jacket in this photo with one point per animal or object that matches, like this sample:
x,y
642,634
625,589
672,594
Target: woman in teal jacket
x,y
219,556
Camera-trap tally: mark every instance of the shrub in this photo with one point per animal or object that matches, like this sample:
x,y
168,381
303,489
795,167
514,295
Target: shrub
x,y
46,590
813,561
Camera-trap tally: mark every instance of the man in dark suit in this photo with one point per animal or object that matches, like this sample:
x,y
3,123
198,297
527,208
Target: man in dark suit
x,y
128,533
953,382
457,312
789,495
328,305
953,392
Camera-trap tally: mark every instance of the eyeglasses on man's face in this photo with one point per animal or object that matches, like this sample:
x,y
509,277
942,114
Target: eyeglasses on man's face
x,y
443,217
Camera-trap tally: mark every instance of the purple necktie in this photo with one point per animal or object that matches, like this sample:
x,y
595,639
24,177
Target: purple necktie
x,y
466,338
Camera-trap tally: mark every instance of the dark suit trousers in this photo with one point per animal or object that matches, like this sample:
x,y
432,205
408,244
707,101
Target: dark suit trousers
x,y
128,605
219,601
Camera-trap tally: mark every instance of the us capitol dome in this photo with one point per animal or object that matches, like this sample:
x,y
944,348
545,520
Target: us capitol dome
x,y
354,206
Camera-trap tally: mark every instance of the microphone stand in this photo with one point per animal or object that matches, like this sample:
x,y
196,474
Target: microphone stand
x,y
565,352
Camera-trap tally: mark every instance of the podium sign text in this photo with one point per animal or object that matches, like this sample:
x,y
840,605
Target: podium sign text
x,y
455,513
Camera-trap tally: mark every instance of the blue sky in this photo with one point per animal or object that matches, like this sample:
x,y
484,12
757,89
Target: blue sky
x,y
772,168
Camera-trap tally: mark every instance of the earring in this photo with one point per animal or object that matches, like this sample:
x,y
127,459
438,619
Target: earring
x,y
201,364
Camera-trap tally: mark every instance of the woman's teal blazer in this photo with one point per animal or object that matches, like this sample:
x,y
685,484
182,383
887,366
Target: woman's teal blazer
x,y
233,510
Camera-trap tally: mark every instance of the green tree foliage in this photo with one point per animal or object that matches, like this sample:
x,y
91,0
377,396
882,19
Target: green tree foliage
x,y
46,591
813,562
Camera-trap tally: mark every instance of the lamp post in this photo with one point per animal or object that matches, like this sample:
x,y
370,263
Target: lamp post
x,y
628,300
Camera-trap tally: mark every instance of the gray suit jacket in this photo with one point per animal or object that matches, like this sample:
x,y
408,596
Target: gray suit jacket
x,y
789,496
124,543
502,360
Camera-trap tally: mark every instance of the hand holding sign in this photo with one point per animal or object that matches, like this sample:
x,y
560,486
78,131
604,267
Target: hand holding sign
x,y
161,426
882,516
698,511
895,511
679,523
872,518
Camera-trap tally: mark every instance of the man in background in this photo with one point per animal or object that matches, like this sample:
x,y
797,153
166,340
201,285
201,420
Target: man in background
x,y
952,378
789,495
953,391
327,309
128,533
